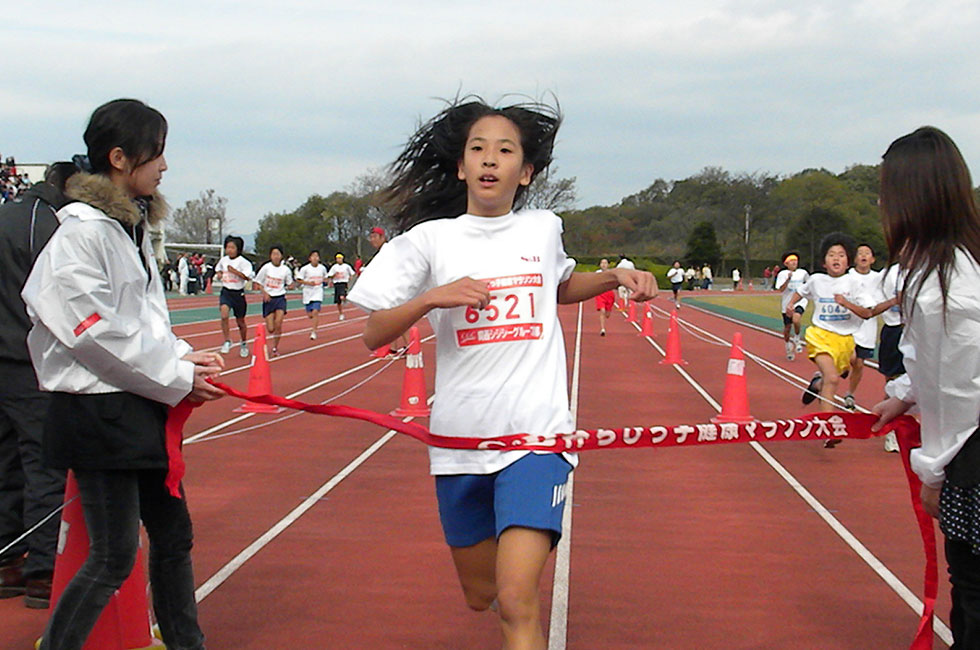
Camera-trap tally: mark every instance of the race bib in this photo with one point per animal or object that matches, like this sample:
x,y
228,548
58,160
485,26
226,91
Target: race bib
x,y
512,314
829,311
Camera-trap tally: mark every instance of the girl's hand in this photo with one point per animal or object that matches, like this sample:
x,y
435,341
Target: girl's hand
x,y
465,292
930,500
840,299
202,391
206,359
265,297
887,411
641,283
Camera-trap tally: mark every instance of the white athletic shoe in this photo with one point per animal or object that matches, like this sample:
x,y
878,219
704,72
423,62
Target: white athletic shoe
x,y
226,347
799,345
243,351
789,351
312,336
341,317
891,442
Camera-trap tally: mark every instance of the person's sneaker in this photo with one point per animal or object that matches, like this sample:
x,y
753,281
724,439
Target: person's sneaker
x,y
602,332
849,402
341,317
789,351
12,581
38,592
243,352
226,347
891,442
813,390
799,345
830,443
312,336
275,352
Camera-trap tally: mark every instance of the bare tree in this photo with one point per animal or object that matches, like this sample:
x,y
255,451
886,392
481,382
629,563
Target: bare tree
x,y
200,221
548,193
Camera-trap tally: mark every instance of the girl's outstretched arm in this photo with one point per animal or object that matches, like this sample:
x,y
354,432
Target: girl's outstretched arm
x,y
582,286
385,325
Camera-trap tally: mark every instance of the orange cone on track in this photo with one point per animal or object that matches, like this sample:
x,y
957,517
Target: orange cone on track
x,y
259,377
735,403
632,316
125,621
414,399
208,289
647,329
673,342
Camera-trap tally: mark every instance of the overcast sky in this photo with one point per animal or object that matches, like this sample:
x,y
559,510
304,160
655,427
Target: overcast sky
x,y
269,102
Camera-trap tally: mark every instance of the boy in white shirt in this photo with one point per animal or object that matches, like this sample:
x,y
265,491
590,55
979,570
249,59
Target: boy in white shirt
x,y
234,271
866,337
838,311
676,276
339,276
312,276
788,281
274,278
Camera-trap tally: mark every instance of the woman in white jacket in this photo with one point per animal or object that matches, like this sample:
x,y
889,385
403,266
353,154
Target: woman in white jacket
x,y
933,231
102,344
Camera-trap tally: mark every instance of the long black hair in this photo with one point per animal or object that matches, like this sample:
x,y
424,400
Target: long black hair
x,y
131,125
928,208
426,185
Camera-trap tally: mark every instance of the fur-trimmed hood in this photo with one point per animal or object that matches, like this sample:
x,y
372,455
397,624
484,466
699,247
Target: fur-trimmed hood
x,y
99,192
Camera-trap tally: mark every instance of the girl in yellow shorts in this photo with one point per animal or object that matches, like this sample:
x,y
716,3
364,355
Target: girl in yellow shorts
x,y
840,305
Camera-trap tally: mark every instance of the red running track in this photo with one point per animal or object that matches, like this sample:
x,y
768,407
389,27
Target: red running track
x,y
676,548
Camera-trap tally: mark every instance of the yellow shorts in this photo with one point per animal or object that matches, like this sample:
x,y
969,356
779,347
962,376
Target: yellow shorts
x,y
840,347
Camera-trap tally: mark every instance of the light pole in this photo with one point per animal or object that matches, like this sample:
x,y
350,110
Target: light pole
x,y
748,217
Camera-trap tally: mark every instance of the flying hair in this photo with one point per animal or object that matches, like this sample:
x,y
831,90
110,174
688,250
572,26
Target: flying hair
x,y
426,185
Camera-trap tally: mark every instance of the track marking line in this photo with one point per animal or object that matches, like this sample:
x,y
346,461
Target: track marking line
x,y
876,565
263,540
261,321
558,626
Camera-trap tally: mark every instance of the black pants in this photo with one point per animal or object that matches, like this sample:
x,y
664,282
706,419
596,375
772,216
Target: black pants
x,y
114,501
964,575
28,490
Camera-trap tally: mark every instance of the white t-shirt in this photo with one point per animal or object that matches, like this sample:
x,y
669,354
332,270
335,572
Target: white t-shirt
x,y
796,280
676,274
230,280
736,275
500,370
274,279
867,334
317,274
340,272
889,287
626,264
827,314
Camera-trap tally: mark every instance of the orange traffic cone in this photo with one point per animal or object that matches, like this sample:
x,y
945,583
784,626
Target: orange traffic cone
x,y
735,403
381,352
259,377
632,315
647,329
208,289
125,621
414,400
673,342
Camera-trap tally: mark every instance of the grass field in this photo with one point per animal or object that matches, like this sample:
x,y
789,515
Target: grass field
x,y
762,310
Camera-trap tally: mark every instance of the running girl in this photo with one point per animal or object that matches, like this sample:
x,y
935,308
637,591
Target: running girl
x,y
604,301
837,313
234,271
788,281
312,276
489,280
274,278
339,276
933,233
102,345
866,337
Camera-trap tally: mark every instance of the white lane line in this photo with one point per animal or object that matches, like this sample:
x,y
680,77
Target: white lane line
x,y
862,551
558,628
288,355
252,549
322,327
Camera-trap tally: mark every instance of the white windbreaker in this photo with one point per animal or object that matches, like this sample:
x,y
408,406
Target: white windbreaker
x,y
100,325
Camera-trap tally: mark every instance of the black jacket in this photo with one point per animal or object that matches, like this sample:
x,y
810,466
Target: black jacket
x,y
26,224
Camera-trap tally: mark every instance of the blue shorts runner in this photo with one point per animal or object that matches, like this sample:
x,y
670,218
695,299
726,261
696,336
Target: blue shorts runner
x,y
339,292
276,303
529,493
235,299
313,305
863,352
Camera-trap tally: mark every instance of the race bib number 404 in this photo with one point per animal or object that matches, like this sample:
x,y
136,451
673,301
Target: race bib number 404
x,y
512,314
